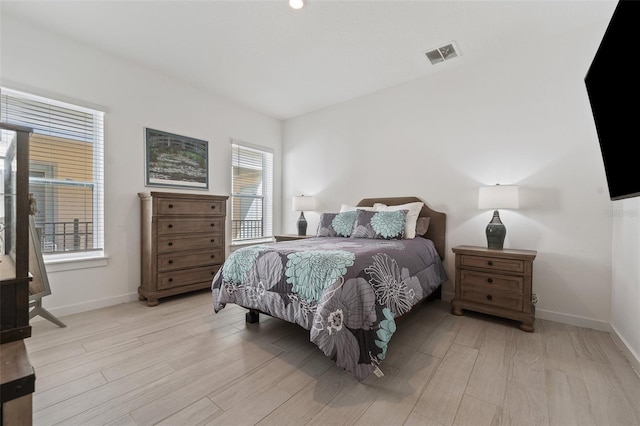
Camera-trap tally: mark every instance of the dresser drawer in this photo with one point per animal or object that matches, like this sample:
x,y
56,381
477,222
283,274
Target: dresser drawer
x,y
170,244
190,276
488,280
190,207
169,226
171,261
492,263
496,298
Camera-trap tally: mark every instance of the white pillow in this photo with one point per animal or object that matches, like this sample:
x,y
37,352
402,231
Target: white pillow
x,y
348,208
412,215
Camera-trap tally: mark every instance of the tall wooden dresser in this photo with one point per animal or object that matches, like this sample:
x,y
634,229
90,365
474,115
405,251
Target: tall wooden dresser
x,y
182,242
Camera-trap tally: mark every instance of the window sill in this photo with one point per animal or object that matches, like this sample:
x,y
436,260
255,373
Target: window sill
x,y
70,263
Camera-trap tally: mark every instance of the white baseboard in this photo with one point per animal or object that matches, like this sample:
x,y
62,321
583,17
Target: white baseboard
x,y
572,320
626,350
91,305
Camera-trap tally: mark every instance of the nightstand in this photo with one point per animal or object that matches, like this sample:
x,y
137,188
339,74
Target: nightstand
x,y
495,282
291,237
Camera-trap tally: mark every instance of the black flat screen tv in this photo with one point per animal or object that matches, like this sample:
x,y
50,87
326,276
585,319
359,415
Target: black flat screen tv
x,y
613,87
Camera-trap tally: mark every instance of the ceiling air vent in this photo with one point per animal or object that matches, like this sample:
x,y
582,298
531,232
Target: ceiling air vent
x,y
442,54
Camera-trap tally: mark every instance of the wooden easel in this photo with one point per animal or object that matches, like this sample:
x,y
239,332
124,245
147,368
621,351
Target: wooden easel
x,y
39,285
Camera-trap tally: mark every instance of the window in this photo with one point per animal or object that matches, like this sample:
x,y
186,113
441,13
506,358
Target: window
x,y
65,171
251,193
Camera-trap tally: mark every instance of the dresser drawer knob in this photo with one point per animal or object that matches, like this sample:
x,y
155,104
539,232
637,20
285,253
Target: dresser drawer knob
x,y
170,262
170,226
170,243
490,263
213,224
170,280
213,206
213,241
213,255
489,280
489,297
170,206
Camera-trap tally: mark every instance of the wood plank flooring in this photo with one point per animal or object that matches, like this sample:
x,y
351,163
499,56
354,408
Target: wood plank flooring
x,y
179,364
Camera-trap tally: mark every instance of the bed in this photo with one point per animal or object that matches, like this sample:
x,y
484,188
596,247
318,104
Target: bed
x,y
348,291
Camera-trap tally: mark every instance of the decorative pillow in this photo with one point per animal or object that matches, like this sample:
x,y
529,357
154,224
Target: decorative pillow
x,y
348,208
412,215
422,225
336,224
379,225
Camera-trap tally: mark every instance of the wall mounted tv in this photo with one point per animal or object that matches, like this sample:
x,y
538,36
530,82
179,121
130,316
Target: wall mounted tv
x,y
613,86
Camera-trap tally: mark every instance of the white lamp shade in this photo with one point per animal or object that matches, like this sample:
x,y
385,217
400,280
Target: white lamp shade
x,y
498,197
303,204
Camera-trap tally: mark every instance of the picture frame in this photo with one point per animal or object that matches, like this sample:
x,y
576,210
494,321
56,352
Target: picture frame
x,y
173,160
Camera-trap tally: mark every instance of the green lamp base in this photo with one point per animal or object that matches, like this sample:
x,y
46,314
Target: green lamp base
x,y
496,232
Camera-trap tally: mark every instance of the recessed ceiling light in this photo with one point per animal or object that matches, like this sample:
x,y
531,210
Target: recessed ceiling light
x,y
296,4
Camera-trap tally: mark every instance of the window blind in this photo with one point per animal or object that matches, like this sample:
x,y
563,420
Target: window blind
x,y
251,193
66,174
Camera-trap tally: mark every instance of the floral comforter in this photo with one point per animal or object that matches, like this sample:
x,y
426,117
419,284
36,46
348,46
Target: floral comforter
x,y
345,291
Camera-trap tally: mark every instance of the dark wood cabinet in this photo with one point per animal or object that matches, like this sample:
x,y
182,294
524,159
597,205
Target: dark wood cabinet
x,y
16,373
182,242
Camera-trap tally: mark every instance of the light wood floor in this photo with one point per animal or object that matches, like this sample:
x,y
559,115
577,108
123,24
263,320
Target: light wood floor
x,y
180,364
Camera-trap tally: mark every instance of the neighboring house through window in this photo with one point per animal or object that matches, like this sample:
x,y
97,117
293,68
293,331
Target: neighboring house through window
x,y
65,171
251,193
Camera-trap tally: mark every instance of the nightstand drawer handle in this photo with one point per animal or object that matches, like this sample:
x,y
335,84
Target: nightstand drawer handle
x,y
489,297
489,280
490,263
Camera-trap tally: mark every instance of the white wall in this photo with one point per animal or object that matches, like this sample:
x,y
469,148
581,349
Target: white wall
x,y
625,295
520,118
133,97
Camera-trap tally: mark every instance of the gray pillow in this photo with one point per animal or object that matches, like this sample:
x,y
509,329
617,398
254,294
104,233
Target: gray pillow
x,y
422,225
336,224
385,225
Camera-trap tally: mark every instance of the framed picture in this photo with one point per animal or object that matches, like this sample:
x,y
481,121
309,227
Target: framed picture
x,y
174,160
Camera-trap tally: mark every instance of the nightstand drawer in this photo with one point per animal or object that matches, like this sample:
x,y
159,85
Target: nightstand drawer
x,y
493,263
489,281
493,298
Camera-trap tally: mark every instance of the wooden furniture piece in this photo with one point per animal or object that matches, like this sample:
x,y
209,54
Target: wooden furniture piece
x,y
182,242
17,378
291,237
495,282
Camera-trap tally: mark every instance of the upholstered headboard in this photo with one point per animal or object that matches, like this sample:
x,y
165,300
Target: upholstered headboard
x,y
437,223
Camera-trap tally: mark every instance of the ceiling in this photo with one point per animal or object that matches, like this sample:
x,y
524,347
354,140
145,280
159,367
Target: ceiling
x,y
285,62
